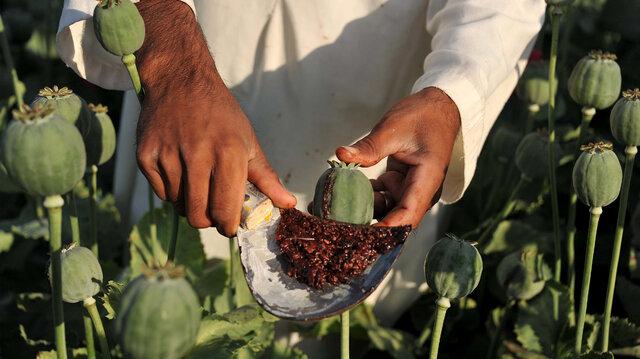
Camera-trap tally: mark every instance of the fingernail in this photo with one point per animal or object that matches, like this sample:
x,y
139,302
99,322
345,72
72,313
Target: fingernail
x,y
352,150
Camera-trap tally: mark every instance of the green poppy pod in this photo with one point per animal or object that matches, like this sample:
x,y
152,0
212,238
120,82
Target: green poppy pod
x,y
42,153
100,141
625,118
503,142
533,87
597,175
118,26
532,155
67,104
453,267
6,183
158,316
523,274
595,81
343,193
81,274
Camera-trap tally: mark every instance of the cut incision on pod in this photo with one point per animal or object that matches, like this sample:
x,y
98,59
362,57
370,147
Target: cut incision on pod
x,y
343,193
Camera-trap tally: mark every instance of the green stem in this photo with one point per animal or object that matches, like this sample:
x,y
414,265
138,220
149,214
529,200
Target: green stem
x,y
8,60
171,252
93,198
90,305
504,213
498,332
231,272
88,335
532,110
586,277
153,226
617,242
442,304
344,335
587,115
129,62
426,332
555,30
54,204
73,218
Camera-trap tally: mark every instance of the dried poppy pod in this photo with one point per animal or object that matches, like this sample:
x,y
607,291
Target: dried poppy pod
x,y
595,81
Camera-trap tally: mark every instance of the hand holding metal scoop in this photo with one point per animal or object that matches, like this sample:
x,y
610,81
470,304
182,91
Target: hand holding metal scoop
x,y
265,270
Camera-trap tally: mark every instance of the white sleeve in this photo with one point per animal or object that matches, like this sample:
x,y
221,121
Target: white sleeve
x,y
79,49
478,48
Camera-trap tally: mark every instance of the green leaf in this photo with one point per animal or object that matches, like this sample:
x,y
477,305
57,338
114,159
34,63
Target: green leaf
x,y
281,350
535,327
212,287
75,353
6,240
628,292
243,332
110,298
146,251
596,355
511,235
397,343
622,333
242,293
27,225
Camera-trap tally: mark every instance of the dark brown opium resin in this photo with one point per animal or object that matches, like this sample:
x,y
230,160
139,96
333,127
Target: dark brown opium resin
x,y
321,252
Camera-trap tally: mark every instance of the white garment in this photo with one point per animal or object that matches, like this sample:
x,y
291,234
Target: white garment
x,y
316,74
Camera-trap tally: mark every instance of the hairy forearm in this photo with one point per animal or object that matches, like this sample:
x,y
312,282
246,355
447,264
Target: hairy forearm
x,y
175,53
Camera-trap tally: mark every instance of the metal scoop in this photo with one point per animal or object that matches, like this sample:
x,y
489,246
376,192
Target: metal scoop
x,y
284,296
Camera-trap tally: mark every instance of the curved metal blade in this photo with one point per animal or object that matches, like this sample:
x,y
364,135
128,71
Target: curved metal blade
x,y
284,296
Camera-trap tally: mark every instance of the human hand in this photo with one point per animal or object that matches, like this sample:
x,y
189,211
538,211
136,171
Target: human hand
x,y
417,134
195,145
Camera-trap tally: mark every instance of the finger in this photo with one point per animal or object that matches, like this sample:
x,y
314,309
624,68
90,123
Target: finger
x,y
420,187
148,164
198,176
381,205
227,193
171,171
397,166
380,143
376,184
392,183
265,178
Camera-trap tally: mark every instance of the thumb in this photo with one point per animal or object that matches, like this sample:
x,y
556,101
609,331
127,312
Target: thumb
x,y
372,148
265,178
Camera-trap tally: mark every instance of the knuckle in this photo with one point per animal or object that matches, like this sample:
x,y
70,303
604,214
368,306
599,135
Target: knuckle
x,y
369,145
146,158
